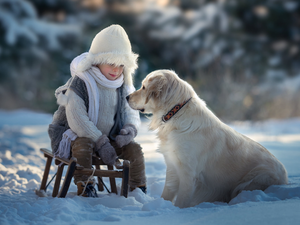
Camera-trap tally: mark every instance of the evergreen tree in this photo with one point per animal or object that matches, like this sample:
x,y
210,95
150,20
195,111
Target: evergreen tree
x,y
223,47
32,52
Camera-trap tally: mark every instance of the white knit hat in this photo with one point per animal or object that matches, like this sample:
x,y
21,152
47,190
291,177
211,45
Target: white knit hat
x,y
110,46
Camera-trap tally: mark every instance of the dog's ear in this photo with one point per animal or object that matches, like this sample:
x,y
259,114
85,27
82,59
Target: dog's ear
x,y
155,86
149,95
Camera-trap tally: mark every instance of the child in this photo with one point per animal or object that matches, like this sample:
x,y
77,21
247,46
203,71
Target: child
x,y
94,116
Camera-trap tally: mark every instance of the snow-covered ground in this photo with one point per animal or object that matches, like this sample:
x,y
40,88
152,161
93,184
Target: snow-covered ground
x,y
23,132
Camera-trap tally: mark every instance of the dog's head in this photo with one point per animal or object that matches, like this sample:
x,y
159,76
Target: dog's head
x,y
160,89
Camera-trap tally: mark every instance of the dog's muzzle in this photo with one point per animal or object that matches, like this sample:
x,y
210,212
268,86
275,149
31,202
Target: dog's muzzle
x,y
128,97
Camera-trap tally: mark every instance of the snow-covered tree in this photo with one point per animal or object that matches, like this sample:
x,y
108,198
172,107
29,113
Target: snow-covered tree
x,y
223,48
31,50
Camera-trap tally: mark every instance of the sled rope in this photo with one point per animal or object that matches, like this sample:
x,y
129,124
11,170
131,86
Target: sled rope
x,y
50,181
104,185
89,179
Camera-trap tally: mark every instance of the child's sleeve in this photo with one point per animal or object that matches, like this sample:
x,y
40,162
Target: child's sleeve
x,y
78,118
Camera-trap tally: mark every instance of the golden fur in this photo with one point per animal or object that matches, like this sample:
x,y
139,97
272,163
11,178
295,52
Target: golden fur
x,y
206,160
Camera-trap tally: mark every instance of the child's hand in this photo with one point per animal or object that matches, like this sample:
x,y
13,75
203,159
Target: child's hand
x,y
127,134
106,152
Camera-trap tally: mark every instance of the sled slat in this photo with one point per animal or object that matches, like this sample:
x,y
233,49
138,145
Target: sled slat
x,y
68,178
60,170
100,185
113,180
100,173
125,184
46,172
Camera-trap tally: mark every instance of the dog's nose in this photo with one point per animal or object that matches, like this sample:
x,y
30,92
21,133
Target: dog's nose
x,y
127,98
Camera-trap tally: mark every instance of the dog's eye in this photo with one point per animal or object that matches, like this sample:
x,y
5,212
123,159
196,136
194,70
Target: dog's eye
x,y
143,87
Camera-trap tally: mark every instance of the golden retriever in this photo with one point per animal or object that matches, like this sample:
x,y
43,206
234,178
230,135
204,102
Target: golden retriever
x,y
206,160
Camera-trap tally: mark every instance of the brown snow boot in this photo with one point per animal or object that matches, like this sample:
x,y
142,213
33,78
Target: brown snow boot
x,y
86,189
82,150
142,187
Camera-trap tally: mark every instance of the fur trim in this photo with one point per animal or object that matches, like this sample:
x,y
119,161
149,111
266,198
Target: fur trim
x,y
129,62
117,58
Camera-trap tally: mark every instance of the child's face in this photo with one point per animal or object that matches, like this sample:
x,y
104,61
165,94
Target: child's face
x,y
111,71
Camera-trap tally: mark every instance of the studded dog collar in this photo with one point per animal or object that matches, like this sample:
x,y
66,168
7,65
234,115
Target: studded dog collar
x,y
174,110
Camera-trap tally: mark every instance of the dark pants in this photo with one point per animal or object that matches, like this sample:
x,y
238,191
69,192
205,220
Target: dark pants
x,y
83,149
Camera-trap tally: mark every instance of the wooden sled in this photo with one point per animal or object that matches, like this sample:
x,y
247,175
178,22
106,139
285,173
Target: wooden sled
x,y
122,171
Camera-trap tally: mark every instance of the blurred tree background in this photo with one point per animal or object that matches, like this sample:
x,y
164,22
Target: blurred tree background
x,y
242,57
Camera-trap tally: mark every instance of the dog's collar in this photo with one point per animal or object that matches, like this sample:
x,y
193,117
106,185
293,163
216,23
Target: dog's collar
x,y
174,110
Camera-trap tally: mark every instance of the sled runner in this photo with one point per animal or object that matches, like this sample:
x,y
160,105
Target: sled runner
x,y
121,171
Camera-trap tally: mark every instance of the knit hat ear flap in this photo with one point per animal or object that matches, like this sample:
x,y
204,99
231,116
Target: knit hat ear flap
x,y
110,46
